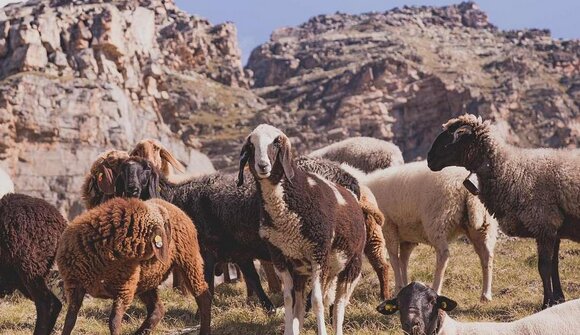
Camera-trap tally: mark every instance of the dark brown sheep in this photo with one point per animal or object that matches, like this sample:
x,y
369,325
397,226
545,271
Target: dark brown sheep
x,y
127,247
99,184
532,192
29,232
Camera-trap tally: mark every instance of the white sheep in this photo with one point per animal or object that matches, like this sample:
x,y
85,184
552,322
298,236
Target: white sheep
x,y
428,316
421,206
6,184
365,153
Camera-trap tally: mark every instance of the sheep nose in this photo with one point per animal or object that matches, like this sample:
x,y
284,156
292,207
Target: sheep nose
x,y
263,166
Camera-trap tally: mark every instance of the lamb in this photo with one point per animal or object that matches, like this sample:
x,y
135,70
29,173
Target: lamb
x,y
314,229
127,247
374,218
365,153
421,206
533,192
6,184
423,311
29,232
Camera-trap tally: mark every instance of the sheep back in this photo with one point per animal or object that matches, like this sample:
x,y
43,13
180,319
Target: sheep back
x,y
104,249
29,232
329,170
365,153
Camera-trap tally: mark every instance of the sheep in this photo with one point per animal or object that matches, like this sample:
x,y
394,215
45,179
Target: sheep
x,y
423,311
533,192
314,229
127,247
365,153
159,155
29,232
421,206
374,218
99,183
6,184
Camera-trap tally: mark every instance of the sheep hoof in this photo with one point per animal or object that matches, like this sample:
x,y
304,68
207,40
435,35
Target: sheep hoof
x,y
485,298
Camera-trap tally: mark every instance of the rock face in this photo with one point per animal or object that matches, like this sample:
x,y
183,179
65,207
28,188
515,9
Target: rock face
x,y
400,74
80,77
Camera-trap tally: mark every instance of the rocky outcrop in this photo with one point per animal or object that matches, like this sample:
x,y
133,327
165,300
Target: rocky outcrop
x,y
398,75
80,77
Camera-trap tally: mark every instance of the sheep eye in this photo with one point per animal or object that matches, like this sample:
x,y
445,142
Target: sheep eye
x,y
277,141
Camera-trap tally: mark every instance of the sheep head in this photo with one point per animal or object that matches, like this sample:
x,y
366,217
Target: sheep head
x,y
419,307
138,178
267,151
160,157
459,144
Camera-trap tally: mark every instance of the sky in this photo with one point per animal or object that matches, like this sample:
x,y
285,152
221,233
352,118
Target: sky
x,y
256,19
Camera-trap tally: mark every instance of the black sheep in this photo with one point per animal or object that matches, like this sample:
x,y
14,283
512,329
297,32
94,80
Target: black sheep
x,y
29,232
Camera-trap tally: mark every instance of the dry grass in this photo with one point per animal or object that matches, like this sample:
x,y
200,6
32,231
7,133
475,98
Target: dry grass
x,y
517,292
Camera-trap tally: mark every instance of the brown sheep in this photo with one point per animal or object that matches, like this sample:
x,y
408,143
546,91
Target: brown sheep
x,y
99,184
127,247
154,151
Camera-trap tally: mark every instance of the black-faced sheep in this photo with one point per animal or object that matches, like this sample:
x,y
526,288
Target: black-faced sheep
x,y
6,184
29,232
315,229
127,247
532,192
364,153
374,218
423,311
421,206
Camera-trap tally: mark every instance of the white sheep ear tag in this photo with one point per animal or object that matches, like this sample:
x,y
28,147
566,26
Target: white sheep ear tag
x,y
158,241
471,183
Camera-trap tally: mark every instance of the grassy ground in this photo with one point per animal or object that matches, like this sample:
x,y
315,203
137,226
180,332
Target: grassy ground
x,y
517,292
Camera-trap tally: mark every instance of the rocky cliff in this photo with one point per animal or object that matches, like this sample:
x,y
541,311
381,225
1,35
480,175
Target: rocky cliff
x,y
79,77
398,75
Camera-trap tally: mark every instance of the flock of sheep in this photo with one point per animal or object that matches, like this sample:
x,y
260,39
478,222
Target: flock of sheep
x,y
308,219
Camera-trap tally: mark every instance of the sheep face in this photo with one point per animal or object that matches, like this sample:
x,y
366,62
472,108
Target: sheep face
x,y
419,307
138,178
453,147
267,152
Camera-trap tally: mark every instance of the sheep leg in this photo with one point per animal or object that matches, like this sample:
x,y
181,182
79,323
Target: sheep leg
x,y
288,289
120,305
344,290
406,250
546,248
47,305
317,299
178,281
392,243
209,262
556,286
299,308
253,280
375,252
274,285
484,248
155,311
75,300
440,266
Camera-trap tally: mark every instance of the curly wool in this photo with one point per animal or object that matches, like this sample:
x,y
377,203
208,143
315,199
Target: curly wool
x,y
364,153
29,233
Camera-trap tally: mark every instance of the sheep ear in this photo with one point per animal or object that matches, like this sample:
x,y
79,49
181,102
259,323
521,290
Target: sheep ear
x,y
445,303
160,243
105,181
168,157
461,131
244,157
388,307
287,159
153,186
